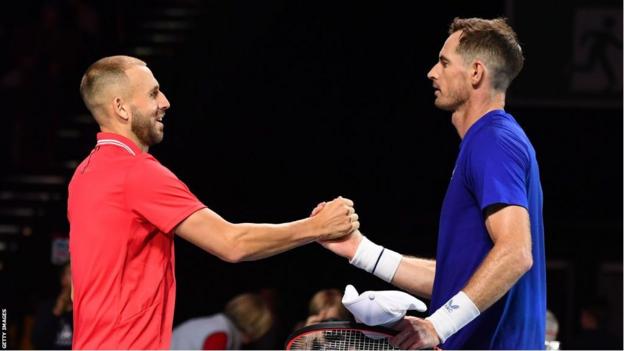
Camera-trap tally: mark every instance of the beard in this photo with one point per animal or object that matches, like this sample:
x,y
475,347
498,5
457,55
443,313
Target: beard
x,y
446,105
451,101
146,129
453,95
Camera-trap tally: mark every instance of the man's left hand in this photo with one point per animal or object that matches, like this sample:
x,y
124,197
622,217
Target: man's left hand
x,y
415,333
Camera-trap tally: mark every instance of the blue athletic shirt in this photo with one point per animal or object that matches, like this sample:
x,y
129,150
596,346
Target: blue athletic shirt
x,y
496,165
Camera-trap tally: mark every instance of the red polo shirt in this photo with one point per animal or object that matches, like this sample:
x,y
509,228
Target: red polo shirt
x,y
122,207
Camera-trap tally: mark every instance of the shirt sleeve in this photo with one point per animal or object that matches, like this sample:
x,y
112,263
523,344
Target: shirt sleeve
x,y
157,195
498,167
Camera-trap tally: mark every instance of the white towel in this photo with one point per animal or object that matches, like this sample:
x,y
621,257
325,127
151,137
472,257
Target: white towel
x,y
380,307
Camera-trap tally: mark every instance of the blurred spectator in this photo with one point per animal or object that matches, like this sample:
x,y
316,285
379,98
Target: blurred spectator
x,y
325,305
552,330
593,334
273,339
53,327
246,318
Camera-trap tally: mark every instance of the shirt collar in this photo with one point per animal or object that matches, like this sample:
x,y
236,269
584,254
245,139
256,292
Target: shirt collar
x,y
480,123
119,141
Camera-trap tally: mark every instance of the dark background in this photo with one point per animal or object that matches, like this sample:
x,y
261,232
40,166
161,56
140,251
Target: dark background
x,y
278,105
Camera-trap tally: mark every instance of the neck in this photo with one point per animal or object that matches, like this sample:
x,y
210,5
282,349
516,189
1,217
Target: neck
x,y
476,107
125,133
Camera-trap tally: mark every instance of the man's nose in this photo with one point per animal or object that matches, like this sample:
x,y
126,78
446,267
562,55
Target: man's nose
x,y
431,74
165,102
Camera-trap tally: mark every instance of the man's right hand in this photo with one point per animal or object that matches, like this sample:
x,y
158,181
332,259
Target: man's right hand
x,y
336,218
345,246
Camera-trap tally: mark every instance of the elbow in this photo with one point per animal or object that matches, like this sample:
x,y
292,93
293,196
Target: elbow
x,y
235,253
233,257
525,261
237,250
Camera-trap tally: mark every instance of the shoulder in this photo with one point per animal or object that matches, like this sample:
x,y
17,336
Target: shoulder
x,y
500,128
501,136
146,168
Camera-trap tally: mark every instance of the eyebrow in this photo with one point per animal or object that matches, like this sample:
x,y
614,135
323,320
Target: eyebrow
x,y
444,59
155,89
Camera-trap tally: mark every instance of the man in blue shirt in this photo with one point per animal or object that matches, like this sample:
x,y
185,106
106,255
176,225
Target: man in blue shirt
x,y
487,284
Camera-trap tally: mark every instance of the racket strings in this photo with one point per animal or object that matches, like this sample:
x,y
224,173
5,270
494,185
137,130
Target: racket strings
x,y
341,339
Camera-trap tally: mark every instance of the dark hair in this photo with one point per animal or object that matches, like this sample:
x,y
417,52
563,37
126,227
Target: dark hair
x,y
495,43
106,71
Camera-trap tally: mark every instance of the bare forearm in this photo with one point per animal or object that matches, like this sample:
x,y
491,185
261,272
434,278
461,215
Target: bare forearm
x,y
500,270
245,241
255,241
509,258
415,275
250,241
410,273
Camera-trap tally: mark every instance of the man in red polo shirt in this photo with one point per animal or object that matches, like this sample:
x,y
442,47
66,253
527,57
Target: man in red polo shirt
x,y
124,208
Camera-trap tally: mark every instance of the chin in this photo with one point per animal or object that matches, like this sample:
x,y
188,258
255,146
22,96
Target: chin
x,y
443,106
155,138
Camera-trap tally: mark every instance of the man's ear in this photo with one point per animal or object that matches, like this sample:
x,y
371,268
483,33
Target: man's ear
x,y
477,73
121,109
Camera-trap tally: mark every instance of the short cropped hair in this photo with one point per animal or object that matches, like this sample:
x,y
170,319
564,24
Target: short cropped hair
x,y
104,72
494,42
250,314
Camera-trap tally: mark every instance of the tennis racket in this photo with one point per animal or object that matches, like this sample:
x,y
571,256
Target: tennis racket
x,y
340,336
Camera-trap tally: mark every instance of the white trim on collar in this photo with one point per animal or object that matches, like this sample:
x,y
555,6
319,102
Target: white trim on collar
x,y
116,143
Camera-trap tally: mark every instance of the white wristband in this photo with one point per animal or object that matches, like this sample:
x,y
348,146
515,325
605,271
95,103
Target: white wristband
x,y
376,259
453,316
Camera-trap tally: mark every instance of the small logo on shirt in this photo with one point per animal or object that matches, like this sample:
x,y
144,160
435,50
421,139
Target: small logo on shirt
x,y
450,307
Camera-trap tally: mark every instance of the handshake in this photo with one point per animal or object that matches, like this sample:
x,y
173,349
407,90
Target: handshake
x,y
335,219
352,245
340,226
